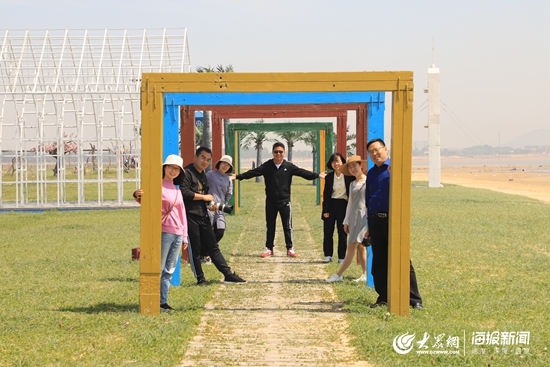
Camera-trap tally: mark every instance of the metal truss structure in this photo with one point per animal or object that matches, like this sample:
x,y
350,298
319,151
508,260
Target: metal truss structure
x,y
70,116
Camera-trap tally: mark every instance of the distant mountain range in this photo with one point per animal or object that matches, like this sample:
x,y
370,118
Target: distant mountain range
x,y
534,138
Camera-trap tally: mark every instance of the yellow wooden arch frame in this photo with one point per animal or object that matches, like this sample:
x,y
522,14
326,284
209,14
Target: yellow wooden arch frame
x,y
153,87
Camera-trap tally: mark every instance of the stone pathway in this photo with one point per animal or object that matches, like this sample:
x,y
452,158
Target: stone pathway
x,y
286,315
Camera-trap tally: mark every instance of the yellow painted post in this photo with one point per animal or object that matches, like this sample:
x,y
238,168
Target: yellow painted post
x,y
151,202
400,202
322,159
237,160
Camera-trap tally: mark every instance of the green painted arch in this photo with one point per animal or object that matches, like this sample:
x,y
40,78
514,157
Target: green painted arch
x,y
234,130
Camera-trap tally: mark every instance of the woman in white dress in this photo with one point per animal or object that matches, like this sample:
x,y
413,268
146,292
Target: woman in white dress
x,y
355,223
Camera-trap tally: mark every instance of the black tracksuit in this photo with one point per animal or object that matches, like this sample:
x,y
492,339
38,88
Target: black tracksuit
x,y
277,195
198,223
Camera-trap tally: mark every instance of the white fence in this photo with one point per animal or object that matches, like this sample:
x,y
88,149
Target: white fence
x,y
70,114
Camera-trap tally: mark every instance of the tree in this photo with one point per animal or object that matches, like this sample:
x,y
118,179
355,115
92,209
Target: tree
x,y
291,138
69,146
350,150
310,139
256,141
351,147
198,135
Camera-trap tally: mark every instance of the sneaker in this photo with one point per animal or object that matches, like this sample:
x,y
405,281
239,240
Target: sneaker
x,y
165,307
327,259
268,252
335,278
340,261
362,278
290,252
233,278
206,260
202,282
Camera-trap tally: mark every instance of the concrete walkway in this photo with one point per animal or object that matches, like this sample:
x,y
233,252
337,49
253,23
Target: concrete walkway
x,y
286,315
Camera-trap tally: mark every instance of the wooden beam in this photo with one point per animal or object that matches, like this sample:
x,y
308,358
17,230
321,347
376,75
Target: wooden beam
x,y
151,201
279,82
400,204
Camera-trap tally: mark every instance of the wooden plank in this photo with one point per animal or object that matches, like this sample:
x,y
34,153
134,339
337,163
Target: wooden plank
x,y
400,205
151,202
187,134
205,99
287,107
280,82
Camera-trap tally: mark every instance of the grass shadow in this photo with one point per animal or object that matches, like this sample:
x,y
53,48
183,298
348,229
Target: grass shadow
x,y
103,308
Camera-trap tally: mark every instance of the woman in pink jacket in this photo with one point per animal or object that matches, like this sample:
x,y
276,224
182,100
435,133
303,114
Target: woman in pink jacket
x,y
174,223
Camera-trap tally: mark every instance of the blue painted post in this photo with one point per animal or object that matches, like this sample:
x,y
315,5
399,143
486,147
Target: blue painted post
x,y
375,129
176,277
170,145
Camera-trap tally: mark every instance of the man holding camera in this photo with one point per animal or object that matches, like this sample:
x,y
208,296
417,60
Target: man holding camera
x,y
277,173
196,197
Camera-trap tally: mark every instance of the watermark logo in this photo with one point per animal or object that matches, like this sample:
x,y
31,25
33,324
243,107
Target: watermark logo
x,y
403,343
481,342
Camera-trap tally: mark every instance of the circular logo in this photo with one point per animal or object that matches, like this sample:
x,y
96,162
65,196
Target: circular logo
x,y
403,343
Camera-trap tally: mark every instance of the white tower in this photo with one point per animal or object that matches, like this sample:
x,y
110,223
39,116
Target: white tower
x,y
434,129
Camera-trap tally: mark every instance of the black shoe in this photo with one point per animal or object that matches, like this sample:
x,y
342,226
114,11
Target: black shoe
x,y
165,307
418,306
377,304
202,282
233,279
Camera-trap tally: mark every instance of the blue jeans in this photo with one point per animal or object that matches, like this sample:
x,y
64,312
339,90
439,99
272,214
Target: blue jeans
x,y
170,250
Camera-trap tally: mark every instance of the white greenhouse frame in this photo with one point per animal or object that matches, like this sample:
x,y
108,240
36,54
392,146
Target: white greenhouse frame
x,y
77,89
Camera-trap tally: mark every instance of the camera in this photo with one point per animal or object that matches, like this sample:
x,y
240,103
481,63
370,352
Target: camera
x,y
221,207
366,242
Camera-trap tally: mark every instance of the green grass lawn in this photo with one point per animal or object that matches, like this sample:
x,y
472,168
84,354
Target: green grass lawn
x,y
91,188
69,290
482,263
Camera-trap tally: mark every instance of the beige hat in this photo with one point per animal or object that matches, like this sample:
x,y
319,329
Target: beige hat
x,y
226,159
175,160
354,158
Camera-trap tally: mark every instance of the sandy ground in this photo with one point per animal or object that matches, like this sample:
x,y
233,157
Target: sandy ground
x,y
523,175
286,315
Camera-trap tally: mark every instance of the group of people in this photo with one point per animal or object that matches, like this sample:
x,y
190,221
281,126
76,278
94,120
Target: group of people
x,y
190,212
365,215
358,204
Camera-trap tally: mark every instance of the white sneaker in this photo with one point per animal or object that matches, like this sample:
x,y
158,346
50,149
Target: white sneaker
x,y
327,259
340,261
335,278
362,278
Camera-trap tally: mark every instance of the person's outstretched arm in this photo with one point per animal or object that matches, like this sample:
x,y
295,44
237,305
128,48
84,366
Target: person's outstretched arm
x,y
258,171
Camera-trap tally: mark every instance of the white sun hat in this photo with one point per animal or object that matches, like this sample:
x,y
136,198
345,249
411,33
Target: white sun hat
x,y
175,160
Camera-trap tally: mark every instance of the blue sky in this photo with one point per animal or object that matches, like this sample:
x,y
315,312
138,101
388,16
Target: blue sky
x,y
494,56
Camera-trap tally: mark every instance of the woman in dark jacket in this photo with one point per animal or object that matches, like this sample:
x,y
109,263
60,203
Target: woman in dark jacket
x,y
335,202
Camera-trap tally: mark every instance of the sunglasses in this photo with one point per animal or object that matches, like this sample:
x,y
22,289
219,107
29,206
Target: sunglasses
x,y
278,151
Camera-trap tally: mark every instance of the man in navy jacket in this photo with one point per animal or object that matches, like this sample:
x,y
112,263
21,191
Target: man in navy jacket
x,y
377,199
277,173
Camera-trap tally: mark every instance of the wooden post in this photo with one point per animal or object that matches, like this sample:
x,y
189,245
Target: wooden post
x,y
341,135
187,135
361,133
217,132
151,202
400,203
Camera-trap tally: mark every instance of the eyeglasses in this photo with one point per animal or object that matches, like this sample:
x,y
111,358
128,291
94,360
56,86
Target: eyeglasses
x,y
375,150
278,151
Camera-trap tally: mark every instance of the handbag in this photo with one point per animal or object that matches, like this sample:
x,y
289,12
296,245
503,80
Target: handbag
x,y
135,253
